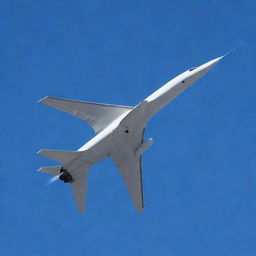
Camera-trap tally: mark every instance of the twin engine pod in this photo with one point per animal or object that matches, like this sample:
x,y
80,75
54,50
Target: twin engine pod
x,y
65,176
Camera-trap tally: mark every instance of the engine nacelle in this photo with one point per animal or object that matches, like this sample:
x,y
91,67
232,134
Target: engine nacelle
x,y
65,176
143,147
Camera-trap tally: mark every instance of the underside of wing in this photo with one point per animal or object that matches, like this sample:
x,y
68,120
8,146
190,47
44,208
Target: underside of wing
x,y
130,167
97,115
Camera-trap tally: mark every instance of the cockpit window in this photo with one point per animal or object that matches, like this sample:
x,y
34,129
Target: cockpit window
x,y
192,69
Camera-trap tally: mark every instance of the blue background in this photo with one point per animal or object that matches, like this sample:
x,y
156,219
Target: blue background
x,y
199,176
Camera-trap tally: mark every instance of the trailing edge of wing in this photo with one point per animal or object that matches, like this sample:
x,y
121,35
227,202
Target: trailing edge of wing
x,y
61,156
97,115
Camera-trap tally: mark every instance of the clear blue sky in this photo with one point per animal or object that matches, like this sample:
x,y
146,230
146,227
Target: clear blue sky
x,y
199,176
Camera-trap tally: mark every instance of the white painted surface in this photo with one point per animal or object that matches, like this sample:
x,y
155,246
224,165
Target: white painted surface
x,y
120,135
145,146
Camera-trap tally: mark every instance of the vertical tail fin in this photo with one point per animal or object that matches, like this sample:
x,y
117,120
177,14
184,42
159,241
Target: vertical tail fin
x,y
79,175
79,190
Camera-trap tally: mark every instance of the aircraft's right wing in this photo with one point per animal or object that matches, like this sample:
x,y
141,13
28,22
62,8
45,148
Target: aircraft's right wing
x,y
131,171
98,115
129,165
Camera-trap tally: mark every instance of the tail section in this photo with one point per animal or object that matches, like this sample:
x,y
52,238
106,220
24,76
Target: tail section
x,y
52,170
78,176
61,156
79,190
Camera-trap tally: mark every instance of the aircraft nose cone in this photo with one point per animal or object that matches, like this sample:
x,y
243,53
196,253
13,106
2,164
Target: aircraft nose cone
x,y
203,69
210,64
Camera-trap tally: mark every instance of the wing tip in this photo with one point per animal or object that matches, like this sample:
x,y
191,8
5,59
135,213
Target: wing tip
x,y
43,100
40,152
40,169
43,152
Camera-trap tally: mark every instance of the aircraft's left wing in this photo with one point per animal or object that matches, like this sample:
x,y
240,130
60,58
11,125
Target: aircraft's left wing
x,y
97,115
130,167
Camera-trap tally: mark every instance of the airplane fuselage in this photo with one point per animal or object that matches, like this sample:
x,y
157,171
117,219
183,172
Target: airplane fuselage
x,y
119,135
100,146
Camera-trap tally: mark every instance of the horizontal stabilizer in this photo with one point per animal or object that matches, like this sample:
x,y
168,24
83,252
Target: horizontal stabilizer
x,y
52,170
97,115
61,156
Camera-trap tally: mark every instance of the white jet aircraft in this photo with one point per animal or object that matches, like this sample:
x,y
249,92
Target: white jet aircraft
x,y
120,131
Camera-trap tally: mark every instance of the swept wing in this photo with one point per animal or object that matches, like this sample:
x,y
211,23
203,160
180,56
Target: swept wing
x,y
97,115
130,167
